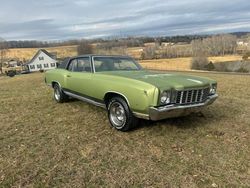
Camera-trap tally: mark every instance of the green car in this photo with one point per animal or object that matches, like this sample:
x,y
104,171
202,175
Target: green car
x,y
120,85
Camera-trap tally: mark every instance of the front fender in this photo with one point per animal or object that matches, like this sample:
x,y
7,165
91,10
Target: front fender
x,y
139,95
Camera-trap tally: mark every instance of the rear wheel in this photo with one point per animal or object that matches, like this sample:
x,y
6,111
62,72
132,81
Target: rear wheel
x,y
120,116
59,95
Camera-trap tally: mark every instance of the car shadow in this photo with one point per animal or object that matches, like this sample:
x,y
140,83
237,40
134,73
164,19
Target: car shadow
x,y
186,122
190,121
72,100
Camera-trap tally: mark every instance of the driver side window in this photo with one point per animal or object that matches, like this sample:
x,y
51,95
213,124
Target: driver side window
x,y
83,65
72,65
80,65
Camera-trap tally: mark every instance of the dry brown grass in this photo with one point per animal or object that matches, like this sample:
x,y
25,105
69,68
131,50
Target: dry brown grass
x,y
28,53
159,64
135,52
62,51
182,63
45,144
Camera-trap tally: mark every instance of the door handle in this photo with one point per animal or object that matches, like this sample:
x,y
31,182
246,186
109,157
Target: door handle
x,y
68,76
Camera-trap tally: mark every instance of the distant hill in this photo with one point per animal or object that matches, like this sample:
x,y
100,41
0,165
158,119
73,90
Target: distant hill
x,y
240,34
128,41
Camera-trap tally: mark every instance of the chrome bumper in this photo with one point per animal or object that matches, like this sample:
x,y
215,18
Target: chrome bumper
x,y
158,113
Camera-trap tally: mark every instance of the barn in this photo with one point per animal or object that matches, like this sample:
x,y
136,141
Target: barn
x,y
42,60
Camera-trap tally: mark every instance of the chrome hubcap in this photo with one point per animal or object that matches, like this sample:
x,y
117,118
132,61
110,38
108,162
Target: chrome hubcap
x,y
57,94
117,115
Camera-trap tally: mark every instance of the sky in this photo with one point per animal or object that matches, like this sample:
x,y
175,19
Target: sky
x,y
74,19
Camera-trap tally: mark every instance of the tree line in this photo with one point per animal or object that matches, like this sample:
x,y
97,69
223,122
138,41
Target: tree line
x,y
107,42
217,45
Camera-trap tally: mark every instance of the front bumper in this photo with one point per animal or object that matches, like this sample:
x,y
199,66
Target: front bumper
x,y
158,113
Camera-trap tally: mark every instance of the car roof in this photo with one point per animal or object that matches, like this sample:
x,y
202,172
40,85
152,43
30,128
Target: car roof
x,y
65,62
98,55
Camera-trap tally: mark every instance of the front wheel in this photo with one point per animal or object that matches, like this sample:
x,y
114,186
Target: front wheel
x,y
120,116
59,95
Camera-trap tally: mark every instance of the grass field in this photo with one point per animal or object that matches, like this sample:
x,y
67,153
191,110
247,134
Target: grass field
x,y
62,51
28,53
45,144
182,63
158,64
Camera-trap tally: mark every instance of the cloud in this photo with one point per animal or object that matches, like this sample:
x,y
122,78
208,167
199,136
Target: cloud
x,y
65,19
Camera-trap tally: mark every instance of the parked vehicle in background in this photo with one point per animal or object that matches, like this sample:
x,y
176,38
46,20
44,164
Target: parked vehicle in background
x,y
120,85
12,71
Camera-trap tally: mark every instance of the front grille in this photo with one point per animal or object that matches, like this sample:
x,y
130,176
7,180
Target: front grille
x,y
191,96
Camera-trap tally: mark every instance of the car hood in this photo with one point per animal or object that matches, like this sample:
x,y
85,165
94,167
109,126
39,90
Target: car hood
x,y
164,80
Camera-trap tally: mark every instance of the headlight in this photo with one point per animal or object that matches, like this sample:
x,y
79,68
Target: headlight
x,y
166,97
213,88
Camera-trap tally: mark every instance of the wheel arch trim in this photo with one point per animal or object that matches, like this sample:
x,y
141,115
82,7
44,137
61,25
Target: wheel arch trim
x,y
53,81
118,93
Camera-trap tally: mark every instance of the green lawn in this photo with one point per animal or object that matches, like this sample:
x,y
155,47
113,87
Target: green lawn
x,y
45,144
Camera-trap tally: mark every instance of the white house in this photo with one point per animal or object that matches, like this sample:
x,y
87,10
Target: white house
x,y
165,44
42,60
242,43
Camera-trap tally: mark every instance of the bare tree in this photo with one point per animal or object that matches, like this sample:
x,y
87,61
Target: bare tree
x,y
149,53
199,60
175,51
84,48
3,51
200,63
215,45
198,48
113,51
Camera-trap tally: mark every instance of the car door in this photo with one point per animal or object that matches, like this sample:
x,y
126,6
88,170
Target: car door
x,y
79,76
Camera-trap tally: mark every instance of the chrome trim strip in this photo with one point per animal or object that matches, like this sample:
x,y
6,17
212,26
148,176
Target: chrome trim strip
x,y
186,99
181,96
193,88
93,63
56,82
192,95
141,115
172,107
118,94
196,97
85,99
202,93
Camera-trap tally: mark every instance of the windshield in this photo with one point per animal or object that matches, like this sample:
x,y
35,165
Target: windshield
x,y
115,64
